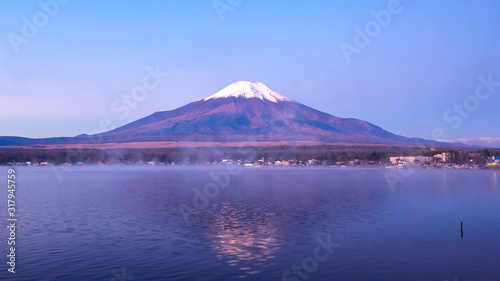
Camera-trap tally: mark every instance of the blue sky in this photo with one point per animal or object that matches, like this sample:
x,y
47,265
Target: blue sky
x,y
416,67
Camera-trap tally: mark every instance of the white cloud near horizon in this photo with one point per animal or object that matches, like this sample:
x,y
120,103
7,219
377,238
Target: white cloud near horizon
x,y
484,141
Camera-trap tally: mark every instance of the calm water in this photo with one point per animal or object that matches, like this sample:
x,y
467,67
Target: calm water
x,y
126,223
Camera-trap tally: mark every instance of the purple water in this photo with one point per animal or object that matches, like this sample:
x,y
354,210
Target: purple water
x,y
126,223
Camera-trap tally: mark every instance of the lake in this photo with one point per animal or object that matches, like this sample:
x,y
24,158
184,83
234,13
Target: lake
x,y
222,223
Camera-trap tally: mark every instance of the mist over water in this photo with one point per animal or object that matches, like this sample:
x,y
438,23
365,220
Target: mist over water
x,y
88,223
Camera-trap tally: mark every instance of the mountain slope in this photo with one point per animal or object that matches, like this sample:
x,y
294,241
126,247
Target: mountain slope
x,y
243,111
250,111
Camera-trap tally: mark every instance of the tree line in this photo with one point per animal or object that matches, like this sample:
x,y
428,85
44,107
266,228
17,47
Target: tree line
x,y
210,155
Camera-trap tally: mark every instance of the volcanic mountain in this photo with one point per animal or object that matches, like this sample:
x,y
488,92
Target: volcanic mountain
x,y
242,112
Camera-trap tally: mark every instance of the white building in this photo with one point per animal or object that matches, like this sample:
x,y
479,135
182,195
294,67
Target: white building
x,y
281,163
410,160
445,157
313,162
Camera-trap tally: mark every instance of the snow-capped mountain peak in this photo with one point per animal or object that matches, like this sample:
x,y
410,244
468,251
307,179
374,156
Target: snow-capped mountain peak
x,y
248,89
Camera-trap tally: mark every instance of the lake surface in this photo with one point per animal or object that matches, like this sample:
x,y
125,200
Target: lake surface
x,y
213,223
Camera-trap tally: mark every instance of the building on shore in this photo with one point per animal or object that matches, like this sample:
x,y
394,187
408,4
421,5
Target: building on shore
x,y
410,160
281,163
446,164
313,162
493,161
442,157
475,158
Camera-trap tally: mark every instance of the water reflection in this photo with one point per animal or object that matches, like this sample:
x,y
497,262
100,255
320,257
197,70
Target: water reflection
x,y
244,236
105,218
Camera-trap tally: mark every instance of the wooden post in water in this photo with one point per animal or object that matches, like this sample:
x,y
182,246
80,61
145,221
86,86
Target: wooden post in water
x,y
462,228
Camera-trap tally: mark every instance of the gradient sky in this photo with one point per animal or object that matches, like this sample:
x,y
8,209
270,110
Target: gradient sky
x,y
63,80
